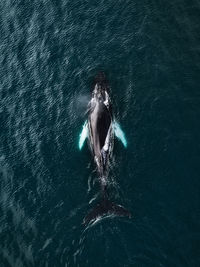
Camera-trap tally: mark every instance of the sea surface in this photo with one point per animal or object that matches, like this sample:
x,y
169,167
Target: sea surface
x,y
50,52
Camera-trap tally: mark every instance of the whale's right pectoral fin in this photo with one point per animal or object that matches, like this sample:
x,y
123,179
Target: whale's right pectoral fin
x,y
83,135
119,133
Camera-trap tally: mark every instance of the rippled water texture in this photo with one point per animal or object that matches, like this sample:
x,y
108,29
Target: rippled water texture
x,y
49,53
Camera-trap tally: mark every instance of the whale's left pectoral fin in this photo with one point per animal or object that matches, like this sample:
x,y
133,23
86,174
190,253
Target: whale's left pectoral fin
x,y
119,133
83,135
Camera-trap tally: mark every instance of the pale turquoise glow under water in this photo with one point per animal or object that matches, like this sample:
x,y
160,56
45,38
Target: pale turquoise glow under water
x,y
83,135
119,133
117,130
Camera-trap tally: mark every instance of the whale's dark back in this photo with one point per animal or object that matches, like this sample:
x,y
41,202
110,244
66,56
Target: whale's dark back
x,y
103,123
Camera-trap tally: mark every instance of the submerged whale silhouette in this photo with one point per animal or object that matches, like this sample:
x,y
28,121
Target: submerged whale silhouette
x,y
100,129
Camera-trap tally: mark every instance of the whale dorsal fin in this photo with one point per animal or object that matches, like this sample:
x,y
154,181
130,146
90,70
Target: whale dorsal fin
x,y
119,133
83,135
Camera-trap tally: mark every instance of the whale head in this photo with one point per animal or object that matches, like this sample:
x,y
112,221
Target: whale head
x,y
101,87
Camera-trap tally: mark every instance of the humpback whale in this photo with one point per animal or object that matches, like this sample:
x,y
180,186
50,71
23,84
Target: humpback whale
x,y
100,129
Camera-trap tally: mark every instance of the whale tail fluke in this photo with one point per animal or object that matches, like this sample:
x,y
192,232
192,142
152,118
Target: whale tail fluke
x,y
105,207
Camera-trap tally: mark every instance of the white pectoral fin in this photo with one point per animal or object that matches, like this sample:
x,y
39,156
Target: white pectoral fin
x,y
119,133
83,135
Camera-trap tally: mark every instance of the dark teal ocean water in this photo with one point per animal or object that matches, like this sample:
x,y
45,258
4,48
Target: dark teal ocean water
x,y
50,52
